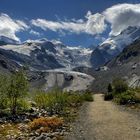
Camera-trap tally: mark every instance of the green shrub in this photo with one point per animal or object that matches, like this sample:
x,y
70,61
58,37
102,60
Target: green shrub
x,y
88,97
120,85
23,105
127,97
3,103
74,99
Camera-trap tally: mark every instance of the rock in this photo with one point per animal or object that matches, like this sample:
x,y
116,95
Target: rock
x,y
36,133
138,129
32,109
54,138
32,138
55,133
27,120
43,136
1,121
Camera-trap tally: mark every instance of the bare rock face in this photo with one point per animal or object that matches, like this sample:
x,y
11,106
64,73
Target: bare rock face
x,y
134,81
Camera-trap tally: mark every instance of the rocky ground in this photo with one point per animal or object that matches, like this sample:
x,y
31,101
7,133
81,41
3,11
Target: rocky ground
x,y
103,120
17,127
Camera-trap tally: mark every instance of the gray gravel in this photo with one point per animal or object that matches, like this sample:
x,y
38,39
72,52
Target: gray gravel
x,y
103,120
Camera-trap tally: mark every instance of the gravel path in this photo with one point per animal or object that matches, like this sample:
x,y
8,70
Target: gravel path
x,y
103,120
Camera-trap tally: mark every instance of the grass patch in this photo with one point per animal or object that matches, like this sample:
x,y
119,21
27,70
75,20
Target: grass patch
x,y
60,102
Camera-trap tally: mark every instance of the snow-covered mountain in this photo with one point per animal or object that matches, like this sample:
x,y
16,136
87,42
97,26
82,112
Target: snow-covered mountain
x,y
113,46
44,54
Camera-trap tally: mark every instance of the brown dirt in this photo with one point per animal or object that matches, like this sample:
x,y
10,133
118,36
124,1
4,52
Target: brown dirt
x,y
103,120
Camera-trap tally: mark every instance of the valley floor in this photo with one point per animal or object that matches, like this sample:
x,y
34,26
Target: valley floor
x,y
103,120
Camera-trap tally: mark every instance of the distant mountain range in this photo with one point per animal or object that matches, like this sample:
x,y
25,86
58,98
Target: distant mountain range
x,y
118,56
44,54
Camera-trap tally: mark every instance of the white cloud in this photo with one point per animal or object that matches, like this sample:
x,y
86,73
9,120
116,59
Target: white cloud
x,y
121,16
34,33
9,27
94,24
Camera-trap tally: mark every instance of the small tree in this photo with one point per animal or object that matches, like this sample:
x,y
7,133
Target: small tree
x,y
17,89
109,88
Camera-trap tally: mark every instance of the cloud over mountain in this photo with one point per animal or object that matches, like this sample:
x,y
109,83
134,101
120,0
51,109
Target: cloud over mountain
x,y
121,16
9,27
93,24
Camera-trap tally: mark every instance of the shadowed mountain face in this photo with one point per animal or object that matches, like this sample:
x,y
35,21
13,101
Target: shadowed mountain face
x,y
130,54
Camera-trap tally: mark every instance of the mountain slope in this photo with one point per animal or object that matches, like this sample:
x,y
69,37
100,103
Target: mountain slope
x,y
130,55
113,46
126,65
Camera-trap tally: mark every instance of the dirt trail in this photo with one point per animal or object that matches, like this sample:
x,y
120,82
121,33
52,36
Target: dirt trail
x,y
103,120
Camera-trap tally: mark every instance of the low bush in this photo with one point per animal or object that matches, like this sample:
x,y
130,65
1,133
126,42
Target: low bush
x,y
127,97
3,103
119,85
74,99
48,124
121,93
88,97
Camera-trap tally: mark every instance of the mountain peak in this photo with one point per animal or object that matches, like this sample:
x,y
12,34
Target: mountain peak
x,y
114,45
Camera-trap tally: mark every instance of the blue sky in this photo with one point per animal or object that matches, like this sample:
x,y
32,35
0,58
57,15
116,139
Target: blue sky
x,y
58,11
